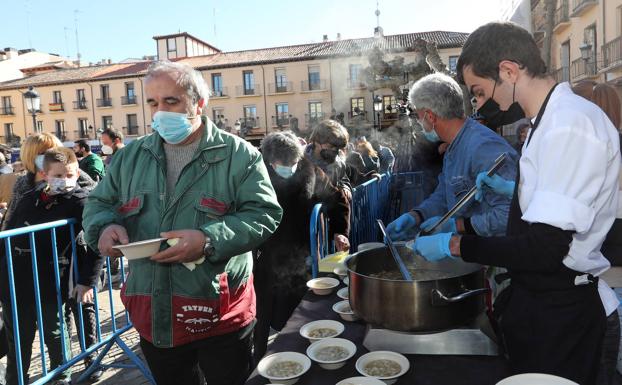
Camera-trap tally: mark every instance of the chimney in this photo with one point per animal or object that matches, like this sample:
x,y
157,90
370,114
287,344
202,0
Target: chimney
x,y
378,32
338,36
10,53
325,38
109,61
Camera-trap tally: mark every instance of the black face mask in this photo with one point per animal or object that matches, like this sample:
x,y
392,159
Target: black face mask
x,y
329,156
79,154
495,117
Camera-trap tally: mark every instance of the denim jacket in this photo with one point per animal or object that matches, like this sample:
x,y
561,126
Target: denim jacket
x,y
472,151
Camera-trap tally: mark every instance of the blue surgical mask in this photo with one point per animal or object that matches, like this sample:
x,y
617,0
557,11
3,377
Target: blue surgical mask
x,y
173,127
432,136
285,171
39,162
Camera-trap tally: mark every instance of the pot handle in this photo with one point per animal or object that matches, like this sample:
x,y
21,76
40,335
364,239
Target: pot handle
x,y
467,294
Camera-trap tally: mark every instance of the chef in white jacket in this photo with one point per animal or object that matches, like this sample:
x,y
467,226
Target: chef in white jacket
x,y
553,314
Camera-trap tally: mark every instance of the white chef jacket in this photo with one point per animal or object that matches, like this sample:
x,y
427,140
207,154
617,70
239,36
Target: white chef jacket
x,y
569,179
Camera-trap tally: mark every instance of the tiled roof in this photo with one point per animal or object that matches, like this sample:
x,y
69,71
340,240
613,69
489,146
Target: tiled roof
x,y
391,43
61,76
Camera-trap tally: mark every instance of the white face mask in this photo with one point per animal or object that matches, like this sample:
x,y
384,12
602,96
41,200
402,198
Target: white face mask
x,y
39,162
107,150
61,185
285,171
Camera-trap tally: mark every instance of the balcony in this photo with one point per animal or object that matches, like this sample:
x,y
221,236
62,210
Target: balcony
x,y
280,120
80,105
278,88
318,85
562,17
7,110
361,115
249,123
56,107
128,100
131,130
313,119
81,134
582,69
221,92
245,91
561,74
579,7
356,84
612,54
104,102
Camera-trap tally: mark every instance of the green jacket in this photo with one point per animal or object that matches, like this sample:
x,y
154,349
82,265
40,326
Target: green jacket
x,y
94,166
225,191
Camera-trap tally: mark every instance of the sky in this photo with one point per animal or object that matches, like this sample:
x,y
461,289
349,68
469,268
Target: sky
x,y
121,29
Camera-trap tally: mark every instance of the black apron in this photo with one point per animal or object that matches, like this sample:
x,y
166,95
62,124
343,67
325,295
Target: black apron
x,y
548,324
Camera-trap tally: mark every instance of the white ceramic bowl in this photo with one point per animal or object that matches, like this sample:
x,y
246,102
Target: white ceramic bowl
x,y
328,364
330,324
343,293
323,285
345,311
275,358
360,381
535,379
341,271
140,249
383,355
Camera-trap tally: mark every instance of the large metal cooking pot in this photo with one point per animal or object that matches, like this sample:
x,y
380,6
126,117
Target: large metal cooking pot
x,y
426,303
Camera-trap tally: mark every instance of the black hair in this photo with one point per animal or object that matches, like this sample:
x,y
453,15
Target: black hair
x,y
113,134
494,42
83,144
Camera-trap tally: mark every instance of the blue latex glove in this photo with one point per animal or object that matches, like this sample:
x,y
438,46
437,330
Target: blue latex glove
x,y
495,183
447,227
434,247
403,228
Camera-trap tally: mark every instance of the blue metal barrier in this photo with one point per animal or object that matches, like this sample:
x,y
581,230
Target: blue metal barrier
x,y
102,344
385,198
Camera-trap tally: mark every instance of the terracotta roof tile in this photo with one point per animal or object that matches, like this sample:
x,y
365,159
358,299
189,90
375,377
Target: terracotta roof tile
x,y
391,43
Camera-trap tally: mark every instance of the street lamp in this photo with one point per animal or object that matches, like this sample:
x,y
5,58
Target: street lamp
x,y
33,104
377,109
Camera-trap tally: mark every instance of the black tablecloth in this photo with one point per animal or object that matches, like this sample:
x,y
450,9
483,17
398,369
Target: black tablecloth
x,y
424,369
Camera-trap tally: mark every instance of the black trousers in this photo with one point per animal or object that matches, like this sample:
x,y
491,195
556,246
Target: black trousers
x,y
88,317
224,360
557,332
274,306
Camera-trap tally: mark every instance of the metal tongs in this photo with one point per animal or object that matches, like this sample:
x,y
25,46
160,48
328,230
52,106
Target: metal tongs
x,y
466,198
398,260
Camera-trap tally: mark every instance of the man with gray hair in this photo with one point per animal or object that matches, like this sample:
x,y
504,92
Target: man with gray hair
x,y
472,147
209,195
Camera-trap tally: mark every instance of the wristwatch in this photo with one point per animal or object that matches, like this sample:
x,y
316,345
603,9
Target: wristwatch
x,y
208,249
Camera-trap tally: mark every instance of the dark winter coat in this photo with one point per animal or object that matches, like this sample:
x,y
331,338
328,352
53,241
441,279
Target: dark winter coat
x,y
35,207
285,252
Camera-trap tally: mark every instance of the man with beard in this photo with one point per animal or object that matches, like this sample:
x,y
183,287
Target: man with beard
x,y
281,269
90,163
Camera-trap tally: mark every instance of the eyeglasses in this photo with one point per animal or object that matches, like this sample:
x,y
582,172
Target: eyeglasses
x,y
416,114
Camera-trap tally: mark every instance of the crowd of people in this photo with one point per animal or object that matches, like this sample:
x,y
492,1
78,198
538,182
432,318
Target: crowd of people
x,y
240,215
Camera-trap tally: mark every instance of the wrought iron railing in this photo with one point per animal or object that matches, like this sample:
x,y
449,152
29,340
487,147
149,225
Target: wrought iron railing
x,y
315,85
104,102
80,105
612,52
127,100
275,88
